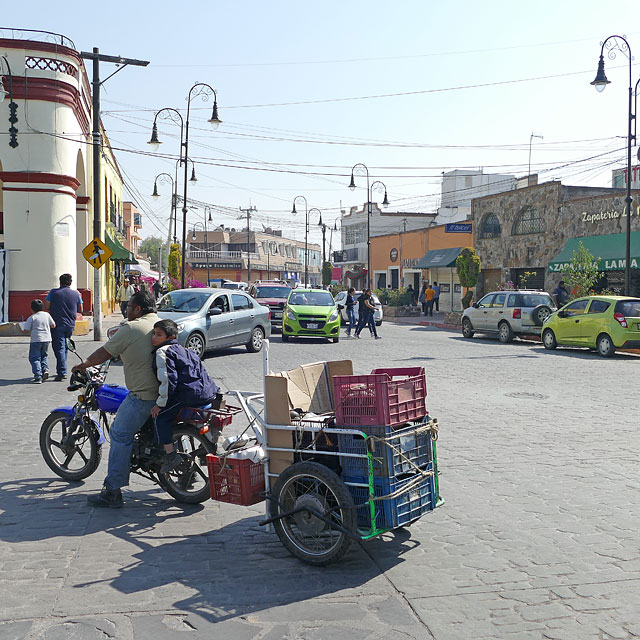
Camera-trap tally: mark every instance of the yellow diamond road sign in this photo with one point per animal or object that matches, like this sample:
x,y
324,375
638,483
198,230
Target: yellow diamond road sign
x,y
97,253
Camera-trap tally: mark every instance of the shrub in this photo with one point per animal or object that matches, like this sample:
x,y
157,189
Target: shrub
x,y
468,268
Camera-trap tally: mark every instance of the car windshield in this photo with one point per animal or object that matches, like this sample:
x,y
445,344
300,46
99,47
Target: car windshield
x,y
183,301
272,292
312,298
629,308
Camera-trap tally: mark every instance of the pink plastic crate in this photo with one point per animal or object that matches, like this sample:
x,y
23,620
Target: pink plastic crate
x,y
385,397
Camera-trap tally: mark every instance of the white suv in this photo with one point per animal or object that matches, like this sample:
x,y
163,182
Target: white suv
x,y
508,314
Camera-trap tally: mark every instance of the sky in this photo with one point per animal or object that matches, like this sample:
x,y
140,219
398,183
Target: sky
x,y
307,90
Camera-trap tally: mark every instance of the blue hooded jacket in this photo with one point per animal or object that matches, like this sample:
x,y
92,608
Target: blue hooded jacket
x,y
182,376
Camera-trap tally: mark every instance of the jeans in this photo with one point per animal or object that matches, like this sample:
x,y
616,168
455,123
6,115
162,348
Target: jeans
x,y
429,310
367,320
437,303
371,323
38,358
59,337
351,317
132,414
123,308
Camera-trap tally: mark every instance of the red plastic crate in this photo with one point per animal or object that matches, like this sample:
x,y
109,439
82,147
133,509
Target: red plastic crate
x,y
385,397
235,481
215,418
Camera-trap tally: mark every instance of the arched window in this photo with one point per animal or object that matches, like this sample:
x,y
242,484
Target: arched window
x,y
528,221
490,226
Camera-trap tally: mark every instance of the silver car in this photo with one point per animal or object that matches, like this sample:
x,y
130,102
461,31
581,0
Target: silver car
x,y
211,319
341,299
508,314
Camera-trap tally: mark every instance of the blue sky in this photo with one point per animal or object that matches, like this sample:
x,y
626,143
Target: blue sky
x,y
306,90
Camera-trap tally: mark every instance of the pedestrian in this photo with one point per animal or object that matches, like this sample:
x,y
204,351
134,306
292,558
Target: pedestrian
x,y
39,325
561,294
132,343
157,289
350,303
125,291
422,298
429,295
63,303
366,310
184,382
412,293
436,299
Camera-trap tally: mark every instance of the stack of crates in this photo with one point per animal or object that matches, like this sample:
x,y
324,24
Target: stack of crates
x,y
388,404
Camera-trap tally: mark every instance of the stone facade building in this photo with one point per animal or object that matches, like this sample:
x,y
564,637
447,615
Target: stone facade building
x,y
525,229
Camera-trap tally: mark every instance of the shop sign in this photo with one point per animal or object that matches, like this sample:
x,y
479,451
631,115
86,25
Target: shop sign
x,y
603,265
457,227
408,263
393,255
217,265
607,215
445,288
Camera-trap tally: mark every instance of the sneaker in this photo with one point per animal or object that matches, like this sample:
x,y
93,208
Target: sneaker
x,y
357,337
59,378
106,498
171,461
378,337
45,375
37,381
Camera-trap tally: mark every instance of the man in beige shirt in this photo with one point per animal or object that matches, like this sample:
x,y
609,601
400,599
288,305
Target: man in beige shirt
x,y
132,342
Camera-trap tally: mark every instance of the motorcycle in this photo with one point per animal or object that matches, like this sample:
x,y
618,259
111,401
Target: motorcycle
x,y
71,437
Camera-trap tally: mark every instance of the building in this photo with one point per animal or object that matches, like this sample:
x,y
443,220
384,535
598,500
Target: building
x,y
230,254
46,211
529,233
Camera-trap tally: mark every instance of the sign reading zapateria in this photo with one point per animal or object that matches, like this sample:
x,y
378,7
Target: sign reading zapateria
x,y
607,215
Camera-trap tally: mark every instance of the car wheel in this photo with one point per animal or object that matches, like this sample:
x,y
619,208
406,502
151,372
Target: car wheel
x,y
540,314
549,340
285,337
335,340
379,323
605,345
195,343
467,328
505,333
255,342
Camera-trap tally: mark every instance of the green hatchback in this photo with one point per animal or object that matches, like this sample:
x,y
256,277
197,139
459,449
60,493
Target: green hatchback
x,y
310,313
605,323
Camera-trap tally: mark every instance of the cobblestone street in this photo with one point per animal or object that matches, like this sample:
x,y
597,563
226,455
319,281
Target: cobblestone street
x,y
538,536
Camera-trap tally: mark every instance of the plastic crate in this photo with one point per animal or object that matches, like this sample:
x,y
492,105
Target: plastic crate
x,y
410,450
397,512
235,481
384,397
215,418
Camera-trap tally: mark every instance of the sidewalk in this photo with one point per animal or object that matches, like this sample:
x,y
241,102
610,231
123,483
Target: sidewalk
x,y
436,320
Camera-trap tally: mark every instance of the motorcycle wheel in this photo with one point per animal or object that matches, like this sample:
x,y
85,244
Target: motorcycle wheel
x,y
68,449
189,482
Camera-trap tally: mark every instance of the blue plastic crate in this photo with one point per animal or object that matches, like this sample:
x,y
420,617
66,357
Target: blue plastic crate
x,y
396,512
410,448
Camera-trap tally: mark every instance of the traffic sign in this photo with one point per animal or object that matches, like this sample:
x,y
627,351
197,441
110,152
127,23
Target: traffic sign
x,y
96,253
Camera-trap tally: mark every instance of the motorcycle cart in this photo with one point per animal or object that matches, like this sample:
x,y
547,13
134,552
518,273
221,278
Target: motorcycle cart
x,y
342,482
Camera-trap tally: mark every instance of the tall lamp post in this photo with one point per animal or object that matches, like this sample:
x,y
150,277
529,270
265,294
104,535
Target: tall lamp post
x,y
306,235
619,43
205,91
13,107
361,169
165,177
206,242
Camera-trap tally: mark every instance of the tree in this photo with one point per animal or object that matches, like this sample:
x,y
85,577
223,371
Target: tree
x,y
468,268
150,246
582,272
327,272
175,261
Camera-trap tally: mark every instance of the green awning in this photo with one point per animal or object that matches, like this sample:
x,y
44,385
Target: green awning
x,y
609,250
120,253
439,258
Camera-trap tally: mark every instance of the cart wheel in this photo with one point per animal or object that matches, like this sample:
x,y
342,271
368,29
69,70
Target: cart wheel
x,y
309,484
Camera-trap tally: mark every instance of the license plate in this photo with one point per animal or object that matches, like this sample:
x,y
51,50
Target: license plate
x,y
312,325
277,315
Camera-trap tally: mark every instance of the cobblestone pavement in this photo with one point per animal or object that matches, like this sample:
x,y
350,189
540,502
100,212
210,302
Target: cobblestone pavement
x,y
538,537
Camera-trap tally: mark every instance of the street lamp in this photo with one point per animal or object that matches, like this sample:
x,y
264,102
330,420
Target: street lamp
x,y
206,242
619,43
205,91
13,107
163,178
361,169
306,235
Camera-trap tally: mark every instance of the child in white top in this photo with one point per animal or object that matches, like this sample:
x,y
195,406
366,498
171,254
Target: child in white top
x,y
39,325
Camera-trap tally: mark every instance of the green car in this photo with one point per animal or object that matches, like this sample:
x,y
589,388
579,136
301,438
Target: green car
x,y
311,313
604,323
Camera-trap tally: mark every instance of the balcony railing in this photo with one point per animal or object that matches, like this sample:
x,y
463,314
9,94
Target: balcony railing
x,y
220,255
39,36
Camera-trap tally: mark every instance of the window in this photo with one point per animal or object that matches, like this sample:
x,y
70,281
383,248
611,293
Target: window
x,y
222,302
485,302
498,301
629,308
576,308
528,221
513,300
599,306
240,302
490,226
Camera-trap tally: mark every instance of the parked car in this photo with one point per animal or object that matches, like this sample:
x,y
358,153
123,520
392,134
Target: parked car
x,y
311,313
210,319
605,323
272,294
342,297
508,314
230,284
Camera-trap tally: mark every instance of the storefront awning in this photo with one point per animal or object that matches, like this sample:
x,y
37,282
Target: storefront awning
x,y
119,252
141,270
439,258
610,251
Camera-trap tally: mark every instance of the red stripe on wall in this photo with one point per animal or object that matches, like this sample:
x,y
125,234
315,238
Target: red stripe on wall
x,y
57,191
39,177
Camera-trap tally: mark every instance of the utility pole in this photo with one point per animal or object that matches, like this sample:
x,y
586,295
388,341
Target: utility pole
x,y
97,58
248,211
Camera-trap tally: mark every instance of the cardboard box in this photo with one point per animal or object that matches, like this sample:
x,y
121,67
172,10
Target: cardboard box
x,y
310,388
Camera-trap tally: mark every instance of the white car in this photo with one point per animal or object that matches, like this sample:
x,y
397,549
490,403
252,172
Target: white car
x,y
342,297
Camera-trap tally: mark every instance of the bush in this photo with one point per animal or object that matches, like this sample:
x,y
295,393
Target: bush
x,y
395,297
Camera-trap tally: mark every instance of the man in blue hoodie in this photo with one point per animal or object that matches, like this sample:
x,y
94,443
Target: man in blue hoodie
x,y
184,382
